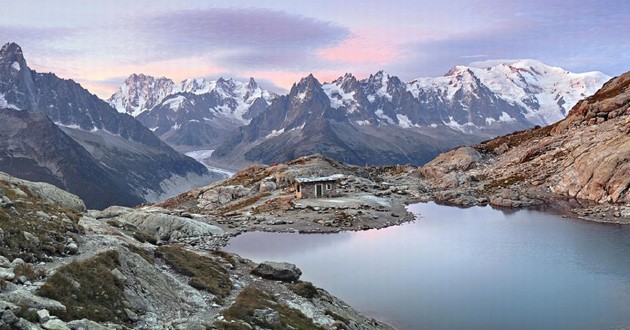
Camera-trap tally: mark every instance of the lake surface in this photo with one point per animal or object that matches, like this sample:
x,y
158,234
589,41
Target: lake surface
x,y
475,268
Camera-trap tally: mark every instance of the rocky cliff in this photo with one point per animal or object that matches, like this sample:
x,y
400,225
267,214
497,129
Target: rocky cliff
x,y
585,156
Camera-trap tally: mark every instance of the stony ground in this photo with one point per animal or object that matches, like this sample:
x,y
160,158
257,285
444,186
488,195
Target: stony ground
x,y
62,267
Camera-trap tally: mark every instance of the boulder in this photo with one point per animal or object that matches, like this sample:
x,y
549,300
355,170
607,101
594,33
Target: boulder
x,y
268,317
267,186
55,324
43,315
48,193
26,298
169,227
280,271
85,324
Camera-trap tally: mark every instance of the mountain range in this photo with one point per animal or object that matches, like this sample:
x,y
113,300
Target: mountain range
x,y
194,114
82,144
382,120
377,120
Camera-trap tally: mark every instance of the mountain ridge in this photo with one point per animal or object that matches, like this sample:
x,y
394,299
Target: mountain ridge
x,y
406,122
119,144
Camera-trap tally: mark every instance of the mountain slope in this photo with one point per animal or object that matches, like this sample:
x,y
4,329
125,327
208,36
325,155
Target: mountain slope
x,y
194,114
584,156
382,120
125,148
34,148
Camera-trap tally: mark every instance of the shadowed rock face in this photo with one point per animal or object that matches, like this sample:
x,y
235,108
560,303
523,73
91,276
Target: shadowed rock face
x,y
120,161
32,147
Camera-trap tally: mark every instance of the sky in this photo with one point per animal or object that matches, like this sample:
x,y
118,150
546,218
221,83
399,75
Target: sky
x,y
100,43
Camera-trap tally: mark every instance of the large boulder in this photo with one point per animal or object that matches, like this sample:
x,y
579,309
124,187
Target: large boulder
x,y
48,193
280,271
169,227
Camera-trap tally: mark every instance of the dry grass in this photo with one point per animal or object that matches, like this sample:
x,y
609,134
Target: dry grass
x,y
252,298
242,203
88,289
51,234
205,273
515,139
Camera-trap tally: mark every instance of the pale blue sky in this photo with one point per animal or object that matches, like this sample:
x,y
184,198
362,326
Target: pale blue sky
x,y
99,43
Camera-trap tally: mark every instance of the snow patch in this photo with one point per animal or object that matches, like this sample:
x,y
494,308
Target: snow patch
x,y
405,122
202,155
339,98
380,114
505,117
5,104
175,103
274,133
363,122
16,66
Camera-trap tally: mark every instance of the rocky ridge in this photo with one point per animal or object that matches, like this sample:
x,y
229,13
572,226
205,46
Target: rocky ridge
x,y
583,158
136,163
194,114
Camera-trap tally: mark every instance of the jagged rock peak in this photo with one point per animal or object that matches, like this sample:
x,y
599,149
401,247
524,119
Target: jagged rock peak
x,y
252,84
10,54
307,83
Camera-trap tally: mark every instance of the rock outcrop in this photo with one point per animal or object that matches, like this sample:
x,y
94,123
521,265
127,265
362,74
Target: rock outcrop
x,y
279,271
62,267
585,156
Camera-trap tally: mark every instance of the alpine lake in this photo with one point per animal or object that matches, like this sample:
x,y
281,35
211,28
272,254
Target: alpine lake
x,y
472,268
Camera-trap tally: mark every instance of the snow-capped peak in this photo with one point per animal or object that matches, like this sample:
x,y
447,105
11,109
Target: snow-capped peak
x,y
140,93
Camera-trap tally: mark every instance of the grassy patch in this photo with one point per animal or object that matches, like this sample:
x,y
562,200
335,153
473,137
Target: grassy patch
x,y
504,182
304,289
88,289
242,203
248,176
252,298
28,270
50,234
145,254
205,273
515,139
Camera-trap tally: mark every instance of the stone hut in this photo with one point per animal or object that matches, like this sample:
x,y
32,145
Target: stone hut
x,y
316,187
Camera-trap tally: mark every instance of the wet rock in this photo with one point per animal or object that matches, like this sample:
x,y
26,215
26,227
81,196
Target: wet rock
x,y
280,271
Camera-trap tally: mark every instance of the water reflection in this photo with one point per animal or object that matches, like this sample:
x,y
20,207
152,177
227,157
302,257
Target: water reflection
x,y
468,268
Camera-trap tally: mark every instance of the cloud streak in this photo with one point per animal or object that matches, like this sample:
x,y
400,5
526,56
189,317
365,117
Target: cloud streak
x,y
241,37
